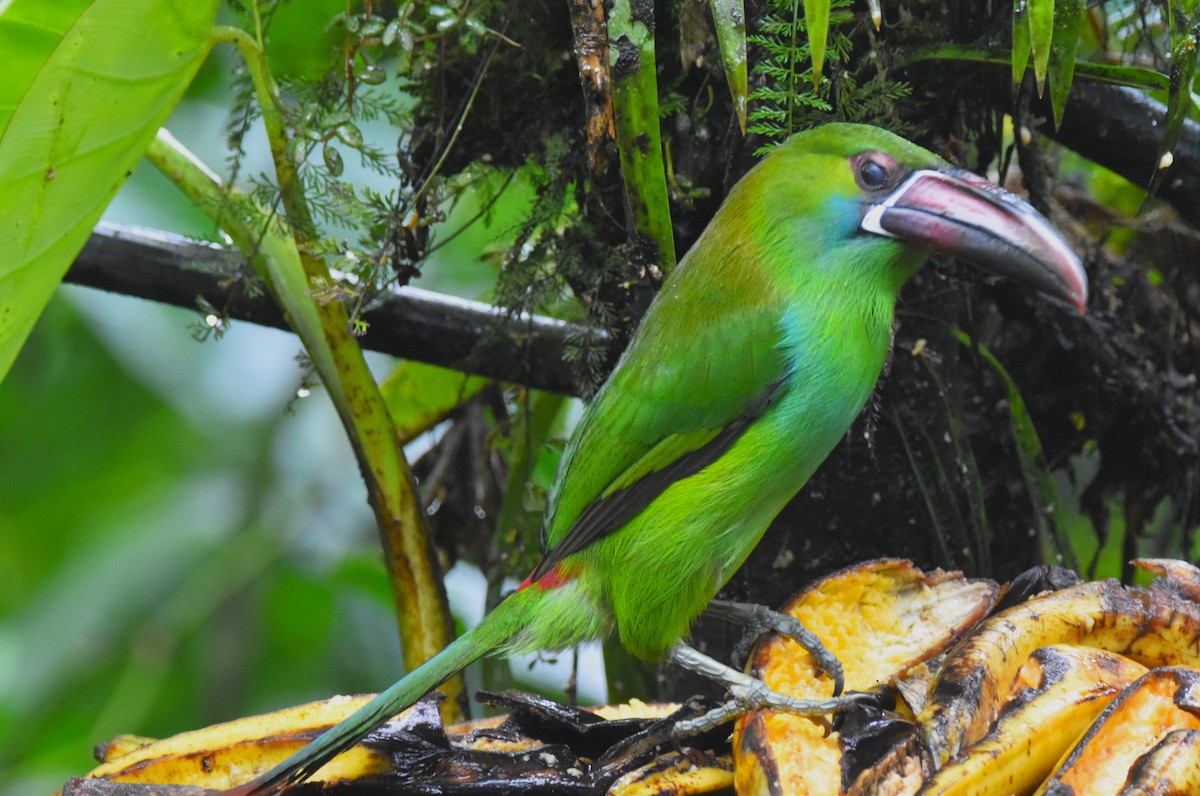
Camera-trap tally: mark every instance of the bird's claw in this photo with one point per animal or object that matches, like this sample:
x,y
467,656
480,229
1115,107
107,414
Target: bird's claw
x,y
757,695
761,620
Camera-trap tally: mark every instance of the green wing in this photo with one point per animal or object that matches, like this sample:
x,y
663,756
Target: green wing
x,y
690,383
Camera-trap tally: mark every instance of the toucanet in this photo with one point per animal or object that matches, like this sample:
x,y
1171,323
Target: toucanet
x,y
757,354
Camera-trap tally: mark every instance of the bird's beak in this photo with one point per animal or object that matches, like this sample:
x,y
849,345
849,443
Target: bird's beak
x,y
960,214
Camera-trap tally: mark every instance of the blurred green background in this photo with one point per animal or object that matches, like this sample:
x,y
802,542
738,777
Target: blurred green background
x,y
183,540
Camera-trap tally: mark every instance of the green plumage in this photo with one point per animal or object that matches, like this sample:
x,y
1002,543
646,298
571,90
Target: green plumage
x,y
760,350
779,301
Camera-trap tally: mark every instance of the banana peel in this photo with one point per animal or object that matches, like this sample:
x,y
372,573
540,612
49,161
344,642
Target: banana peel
x,y
1180,576
975,679
120,745
879,618
1171,768
1058,692
1001,707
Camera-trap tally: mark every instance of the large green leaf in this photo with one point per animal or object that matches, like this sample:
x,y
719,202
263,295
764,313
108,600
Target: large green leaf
x,y
1068,16
1021,44
1041,33
87,85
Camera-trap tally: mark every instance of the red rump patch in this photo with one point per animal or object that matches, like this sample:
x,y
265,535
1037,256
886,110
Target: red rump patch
x,y
551,580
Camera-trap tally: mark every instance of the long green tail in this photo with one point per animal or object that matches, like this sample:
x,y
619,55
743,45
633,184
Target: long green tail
x,y
490,635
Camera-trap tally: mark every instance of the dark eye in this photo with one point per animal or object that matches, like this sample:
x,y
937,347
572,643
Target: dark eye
x,y
872,174
875,171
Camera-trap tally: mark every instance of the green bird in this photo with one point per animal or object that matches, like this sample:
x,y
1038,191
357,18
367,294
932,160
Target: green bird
x,y
759,351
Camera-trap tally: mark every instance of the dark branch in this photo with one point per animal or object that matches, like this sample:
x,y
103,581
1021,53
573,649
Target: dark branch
x,y
415,324
1121,128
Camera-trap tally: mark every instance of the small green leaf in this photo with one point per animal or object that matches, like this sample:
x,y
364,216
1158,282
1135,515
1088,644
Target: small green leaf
x,y
371,28
392,32
372,75
1021,43
350,135
87,86
333,160
419,396
1068,16
816,15
730,19
1041,33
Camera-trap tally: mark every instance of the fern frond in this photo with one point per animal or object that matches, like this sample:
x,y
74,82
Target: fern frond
x,y
786,101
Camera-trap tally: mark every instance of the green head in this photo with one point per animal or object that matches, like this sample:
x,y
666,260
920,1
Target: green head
x,y
874,206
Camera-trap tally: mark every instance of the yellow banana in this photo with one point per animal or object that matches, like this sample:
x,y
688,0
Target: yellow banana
x,y
223,755
1161,701
1058,693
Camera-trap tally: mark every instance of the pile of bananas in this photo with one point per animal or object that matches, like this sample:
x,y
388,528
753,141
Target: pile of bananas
x,y
1045,686
1090,688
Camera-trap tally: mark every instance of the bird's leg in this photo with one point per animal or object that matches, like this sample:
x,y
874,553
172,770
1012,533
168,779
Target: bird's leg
x,y
749,693
760,620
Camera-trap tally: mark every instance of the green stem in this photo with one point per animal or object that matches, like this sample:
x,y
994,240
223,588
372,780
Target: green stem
x,y
639,138
301,282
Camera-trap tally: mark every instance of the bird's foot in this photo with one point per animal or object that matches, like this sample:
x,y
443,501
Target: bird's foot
x,y
760,620
748,693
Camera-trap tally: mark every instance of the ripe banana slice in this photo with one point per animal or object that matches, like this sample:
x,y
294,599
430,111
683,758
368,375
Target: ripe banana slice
x,y
1162,701
879,619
